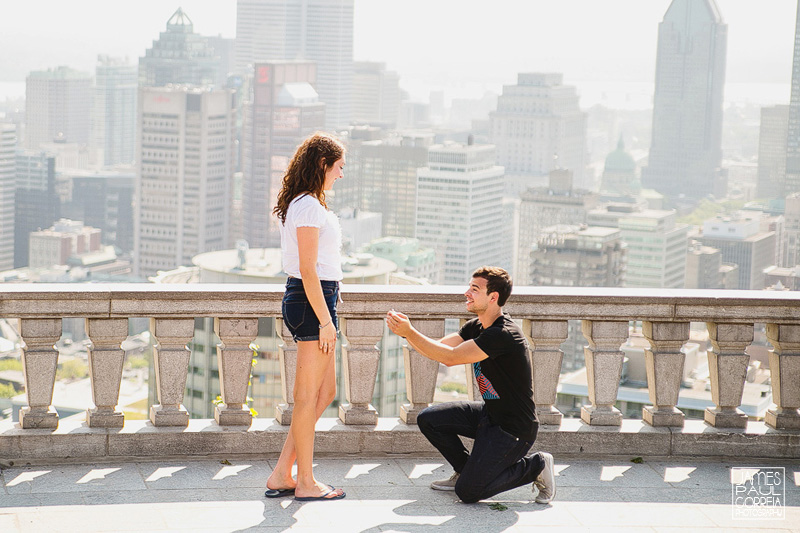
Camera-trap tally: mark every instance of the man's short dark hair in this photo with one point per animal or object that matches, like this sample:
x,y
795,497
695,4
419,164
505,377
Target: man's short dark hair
x,y
497,280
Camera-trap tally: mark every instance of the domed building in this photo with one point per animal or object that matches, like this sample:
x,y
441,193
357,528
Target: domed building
x,y
619,174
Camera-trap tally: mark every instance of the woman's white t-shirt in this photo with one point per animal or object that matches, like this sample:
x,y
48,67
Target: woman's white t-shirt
x,y
306,211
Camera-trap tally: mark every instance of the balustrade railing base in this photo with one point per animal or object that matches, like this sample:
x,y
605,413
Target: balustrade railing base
x,y
30,418
725,418
601,416
549,416
74,441
161,417
283,414
358,414
97,418
788,419
664,417
409,412
227,416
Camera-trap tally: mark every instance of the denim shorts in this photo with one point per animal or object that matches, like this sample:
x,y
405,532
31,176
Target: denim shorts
x,y
299,316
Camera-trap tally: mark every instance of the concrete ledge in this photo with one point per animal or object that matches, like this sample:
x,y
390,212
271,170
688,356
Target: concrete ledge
x,y
75,441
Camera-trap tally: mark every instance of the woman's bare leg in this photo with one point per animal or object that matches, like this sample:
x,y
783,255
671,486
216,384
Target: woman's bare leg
x,y
281,477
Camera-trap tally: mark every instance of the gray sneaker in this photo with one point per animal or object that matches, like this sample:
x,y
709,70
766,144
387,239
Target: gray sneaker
x,y
446,484
546,482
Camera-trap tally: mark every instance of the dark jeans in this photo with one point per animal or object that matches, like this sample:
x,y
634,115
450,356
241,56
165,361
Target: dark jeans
x,y
498,461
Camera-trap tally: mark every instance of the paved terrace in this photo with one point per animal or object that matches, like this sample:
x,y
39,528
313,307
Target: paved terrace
x,y
170,473
383,494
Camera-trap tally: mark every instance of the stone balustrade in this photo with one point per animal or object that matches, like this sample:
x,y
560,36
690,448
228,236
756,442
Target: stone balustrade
x,y
605,315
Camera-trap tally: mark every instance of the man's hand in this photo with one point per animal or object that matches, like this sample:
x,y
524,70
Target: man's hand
x,y
398,323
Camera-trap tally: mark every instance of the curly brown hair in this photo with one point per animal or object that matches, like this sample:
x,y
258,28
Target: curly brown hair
x,y
306,171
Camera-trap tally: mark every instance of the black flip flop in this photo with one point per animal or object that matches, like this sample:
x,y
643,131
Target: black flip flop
x,y
278,493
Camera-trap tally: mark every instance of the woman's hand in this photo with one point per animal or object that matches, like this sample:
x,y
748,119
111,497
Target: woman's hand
x,y
327,338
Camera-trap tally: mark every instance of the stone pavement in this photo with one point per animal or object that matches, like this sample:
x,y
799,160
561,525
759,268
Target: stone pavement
x,y
384,494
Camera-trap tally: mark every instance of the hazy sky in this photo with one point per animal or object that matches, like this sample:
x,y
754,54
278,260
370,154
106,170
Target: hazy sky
x,y
472,44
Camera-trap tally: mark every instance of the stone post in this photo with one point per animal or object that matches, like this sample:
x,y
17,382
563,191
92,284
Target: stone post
x,y
360,359
784,367
106,358
664,363
421,372
39,363
171,358
235,361
727,368
546,338
603,370
287,356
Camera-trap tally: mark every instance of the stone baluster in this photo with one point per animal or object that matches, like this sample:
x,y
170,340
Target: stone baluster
x,y
171,359
727,367
235,361
106,358
664,364
39,363
546,337
360,359
784,367
603,370
421,372
287,356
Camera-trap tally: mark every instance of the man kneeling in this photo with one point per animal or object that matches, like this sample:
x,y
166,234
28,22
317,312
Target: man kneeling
x,y
504,425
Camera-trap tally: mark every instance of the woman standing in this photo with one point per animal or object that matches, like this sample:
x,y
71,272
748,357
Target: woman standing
x,y
310,243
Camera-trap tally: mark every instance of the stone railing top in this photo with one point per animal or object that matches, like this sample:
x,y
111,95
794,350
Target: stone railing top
x,y
433,301
114,300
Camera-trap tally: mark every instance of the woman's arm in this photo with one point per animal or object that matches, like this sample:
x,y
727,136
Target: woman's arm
x,y
308,246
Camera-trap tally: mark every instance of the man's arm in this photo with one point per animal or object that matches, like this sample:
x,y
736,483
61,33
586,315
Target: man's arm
x,y
451,350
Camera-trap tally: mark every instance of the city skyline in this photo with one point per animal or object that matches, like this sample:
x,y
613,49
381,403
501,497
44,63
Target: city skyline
x,y
479,46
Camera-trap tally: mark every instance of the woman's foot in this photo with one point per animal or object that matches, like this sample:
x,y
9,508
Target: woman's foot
x,y
277,481
318,491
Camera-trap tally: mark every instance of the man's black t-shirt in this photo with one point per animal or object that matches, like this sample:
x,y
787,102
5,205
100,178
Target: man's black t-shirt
x,y
504,378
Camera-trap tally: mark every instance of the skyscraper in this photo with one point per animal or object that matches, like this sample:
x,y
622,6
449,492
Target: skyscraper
x,y
772,151
181,56
315,30
36,202
58,106
114,110
185,147
540,207
376,94
284,110
793,140
459,210
539,126
686,146
8,146
382,177
741,241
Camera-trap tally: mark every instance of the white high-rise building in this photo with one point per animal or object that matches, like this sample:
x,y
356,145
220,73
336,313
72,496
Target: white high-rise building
x,y
8,145
315,30
656,244
185,147
538,127
460,213
58,105
113,131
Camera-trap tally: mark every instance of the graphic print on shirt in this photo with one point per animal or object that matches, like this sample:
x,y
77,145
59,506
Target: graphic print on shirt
x,y
485,386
